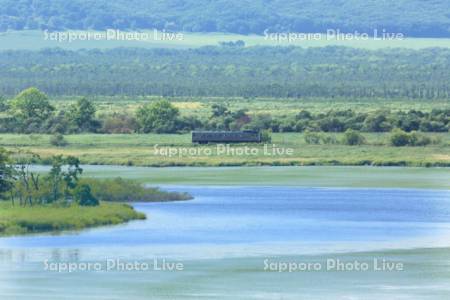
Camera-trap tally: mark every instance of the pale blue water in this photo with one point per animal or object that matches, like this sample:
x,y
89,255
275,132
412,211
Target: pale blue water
x,y
224,235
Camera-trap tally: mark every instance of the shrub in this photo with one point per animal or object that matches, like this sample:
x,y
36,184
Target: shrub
x,y
328,139
399,138
266,137
418,139
353,138
4,105
312,138
119,123
58,140
84,197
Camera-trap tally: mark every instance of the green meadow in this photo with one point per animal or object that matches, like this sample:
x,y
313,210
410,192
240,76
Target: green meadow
x,y
201,106
33,40
164,150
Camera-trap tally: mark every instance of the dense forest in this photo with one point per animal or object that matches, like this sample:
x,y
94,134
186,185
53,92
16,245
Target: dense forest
x,y
231,71
410,17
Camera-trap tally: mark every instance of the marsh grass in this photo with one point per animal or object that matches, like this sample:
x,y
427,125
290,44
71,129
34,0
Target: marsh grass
x,y
16,220
138,150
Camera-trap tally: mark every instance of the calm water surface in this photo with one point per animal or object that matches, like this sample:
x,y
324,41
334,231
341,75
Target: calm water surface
x,y
226,237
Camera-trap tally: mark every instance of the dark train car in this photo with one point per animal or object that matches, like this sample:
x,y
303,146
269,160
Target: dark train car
x,y
205,137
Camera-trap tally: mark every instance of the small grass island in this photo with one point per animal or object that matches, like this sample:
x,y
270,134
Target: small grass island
x,y
35,202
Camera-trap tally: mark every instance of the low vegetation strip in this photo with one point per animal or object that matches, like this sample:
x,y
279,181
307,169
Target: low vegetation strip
x,y
318,149
122,190
17,219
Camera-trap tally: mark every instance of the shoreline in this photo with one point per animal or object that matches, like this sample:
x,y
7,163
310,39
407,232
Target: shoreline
x,y
250,164
26,220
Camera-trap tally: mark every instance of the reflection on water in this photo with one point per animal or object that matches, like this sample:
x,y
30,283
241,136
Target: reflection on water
x,y
223,236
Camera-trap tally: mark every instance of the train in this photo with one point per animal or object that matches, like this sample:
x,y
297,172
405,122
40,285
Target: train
x,y
205,137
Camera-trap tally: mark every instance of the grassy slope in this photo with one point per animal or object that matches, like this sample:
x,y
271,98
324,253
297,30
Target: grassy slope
x,y
33,40
21,220
137,149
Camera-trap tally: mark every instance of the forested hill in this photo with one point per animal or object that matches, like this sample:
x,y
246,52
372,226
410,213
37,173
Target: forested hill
x,y
429,18
231,71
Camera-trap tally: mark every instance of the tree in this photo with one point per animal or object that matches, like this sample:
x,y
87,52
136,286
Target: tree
x,y
3,104
32,104
377,122
84,197
6,173
63,181
82,115
55,177
71,174
27,187
159,117
219,110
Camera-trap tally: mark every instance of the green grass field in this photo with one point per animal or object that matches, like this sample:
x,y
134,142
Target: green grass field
x,y
139,150
201,106
33,40
20,220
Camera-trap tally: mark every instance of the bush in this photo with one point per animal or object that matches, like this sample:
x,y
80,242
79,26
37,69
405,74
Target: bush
x,y
58,140
328,139
418,139
119,123
353,138
84,197
266,137
312,138
4,105
400,138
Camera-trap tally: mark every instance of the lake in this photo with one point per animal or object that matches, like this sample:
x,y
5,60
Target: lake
x,y
248,242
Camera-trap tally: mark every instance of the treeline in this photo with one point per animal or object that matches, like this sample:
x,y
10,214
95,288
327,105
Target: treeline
x,y
231,72
411,17
31,112
62,185
24,187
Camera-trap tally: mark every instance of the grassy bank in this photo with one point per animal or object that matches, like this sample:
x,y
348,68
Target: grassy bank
x,y
16,220
139,150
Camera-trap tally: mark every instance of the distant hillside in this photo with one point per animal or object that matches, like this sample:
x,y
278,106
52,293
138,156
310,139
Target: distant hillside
x,y
417,18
